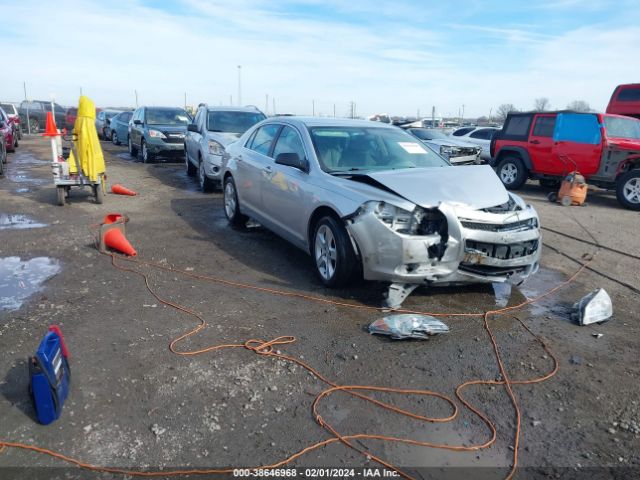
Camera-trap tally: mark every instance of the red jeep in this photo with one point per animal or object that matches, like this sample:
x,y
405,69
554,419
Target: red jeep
x,y
546,146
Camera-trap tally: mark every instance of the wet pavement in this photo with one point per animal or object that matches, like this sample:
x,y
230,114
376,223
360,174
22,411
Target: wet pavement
x,y
21,278
18,221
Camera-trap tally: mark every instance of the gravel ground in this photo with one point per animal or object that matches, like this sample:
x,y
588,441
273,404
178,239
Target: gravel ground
x,y
135,404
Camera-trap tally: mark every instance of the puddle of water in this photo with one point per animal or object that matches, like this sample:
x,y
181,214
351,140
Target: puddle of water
x,y
20,176
28,158
20,279
22,190
18,222
503,293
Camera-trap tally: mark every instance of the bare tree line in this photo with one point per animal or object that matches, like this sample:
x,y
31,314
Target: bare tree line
x,y
541,104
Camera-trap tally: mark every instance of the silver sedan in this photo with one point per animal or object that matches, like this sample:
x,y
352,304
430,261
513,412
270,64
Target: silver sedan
x,y
369,199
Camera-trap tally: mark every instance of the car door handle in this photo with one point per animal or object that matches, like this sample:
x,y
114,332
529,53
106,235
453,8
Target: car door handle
x,y
535,142
239,158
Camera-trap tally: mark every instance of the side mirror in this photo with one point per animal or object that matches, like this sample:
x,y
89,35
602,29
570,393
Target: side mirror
x,y
291,159
137,122
192,128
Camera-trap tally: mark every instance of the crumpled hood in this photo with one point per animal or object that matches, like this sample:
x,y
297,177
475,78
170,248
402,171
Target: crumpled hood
x,y
450,142
223,138
475,186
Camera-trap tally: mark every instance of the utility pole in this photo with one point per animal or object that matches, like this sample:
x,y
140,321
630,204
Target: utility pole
x,y
462,118
274,105
334,110
80,91
239,85
433,116
490,110
136,92
313,108
266,104
231,100
418,116
24,85
185,100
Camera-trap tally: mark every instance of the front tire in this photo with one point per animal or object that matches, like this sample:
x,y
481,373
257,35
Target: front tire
x,y
114,138
191,169
512,173
206,185
133,151
62,195
335,260
628,189
232,205
147,156
98,193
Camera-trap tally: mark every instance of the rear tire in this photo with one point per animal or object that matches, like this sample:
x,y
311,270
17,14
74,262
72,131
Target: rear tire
x,y
512,173
628,189
114,138
133,151
35,126
232,205
335,260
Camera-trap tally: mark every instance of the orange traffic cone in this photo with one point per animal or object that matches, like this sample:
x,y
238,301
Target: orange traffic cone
x,y
120,190
50,130
113,218
116,240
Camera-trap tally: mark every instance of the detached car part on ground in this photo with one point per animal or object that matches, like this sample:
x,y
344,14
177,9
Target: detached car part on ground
x,y
370,200
458,152
214,128
547,146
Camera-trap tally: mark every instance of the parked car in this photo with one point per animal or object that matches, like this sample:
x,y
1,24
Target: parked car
x,y
70,118
7,129
118,127
625,100
36,111
214,128
546,146
102,122
12,112
157,131
367,197
480,136
3,152
456,151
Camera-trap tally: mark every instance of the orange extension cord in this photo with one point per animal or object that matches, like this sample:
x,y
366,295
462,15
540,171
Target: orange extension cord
x,y
265,348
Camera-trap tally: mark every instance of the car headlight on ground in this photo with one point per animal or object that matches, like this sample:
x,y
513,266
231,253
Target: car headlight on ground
x,y
156,134
215,148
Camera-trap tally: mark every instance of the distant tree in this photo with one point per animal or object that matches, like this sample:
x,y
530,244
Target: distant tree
x,y
541,104
482,120
579,106
505,109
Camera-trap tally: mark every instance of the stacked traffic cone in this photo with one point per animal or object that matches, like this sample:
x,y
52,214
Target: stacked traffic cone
x,y
112,235
50,130
120,190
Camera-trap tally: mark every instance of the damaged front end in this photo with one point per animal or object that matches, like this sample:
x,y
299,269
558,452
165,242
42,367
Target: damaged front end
x,y
447,244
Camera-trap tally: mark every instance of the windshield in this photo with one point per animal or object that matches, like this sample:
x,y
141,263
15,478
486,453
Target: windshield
x,y
349,149
232,122
622,127
167,116
424,134
7,107
110,114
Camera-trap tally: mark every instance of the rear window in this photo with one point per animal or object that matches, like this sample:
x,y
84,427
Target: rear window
x,y
517,126
168,116
9,108
462,131
629,95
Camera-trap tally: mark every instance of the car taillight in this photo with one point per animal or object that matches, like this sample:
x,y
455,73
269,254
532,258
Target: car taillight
x,y
492,145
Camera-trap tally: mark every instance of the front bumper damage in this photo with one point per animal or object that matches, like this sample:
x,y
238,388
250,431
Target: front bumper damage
x,y
476,246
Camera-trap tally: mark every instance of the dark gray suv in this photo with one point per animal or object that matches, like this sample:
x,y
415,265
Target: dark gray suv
x,y
156,131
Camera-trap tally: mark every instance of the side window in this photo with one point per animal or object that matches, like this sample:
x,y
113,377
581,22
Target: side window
x,y
629,95
289,142
544,126
250,140
518,126
462,131
264,138
482,134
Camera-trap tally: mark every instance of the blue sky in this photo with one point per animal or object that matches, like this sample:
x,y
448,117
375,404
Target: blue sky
x,y
394,57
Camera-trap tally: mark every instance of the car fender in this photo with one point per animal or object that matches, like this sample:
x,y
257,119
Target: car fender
x,y
520,151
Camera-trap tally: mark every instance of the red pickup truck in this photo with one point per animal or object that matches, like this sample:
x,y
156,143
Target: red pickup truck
x,y
546,146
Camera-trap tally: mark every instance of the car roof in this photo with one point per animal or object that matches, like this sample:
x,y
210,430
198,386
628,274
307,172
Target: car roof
x,y
161,108
329,122
233,109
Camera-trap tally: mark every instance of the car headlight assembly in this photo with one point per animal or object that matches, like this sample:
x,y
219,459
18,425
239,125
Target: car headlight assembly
x,y
215,148
156,134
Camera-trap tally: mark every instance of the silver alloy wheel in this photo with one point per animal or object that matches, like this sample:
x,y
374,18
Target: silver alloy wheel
x,y
508,173
326,253
145,152
230,205
114,137
631,190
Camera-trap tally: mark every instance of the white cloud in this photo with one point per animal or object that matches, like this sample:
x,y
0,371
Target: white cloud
x,y
393,64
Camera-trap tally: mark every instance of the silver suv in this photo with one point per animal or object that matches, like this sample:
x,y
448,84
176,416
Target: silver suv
x,y
212,129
